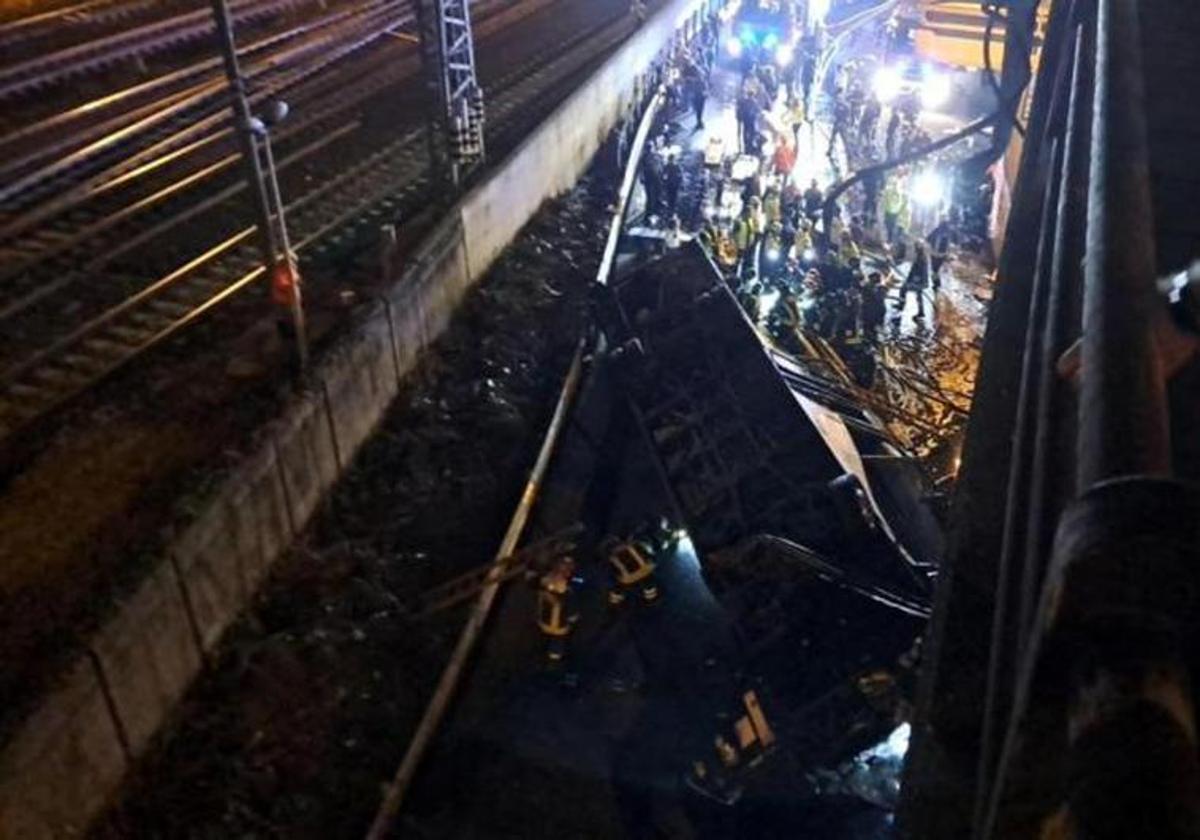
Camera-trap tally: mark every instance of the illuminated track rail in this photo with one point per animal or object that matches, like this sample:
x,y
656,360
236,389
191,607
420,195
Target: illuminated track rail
x,y
34,144
36,73
390,181
53,21
73,234
32,193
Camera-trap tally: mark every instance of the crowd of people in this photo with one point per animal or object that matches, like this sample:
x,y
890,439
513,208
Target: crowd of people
x,y
838,271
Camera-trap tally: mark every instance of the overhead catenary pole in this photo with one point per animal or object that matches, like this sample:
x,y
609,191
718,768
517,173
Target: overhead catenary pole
x,y
264,191
456,124
295,300
243,128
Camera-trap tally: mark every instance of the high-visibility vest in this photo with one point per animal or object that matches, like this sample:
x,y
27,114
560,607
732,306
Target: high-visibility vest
x,y
552,596
893,201
743,230
771,208
629,564
803,242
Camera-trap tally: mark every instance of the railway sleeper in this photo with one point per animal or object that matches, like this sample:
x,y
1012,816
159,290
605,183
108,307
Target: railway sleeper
x,y
131,335
60,377
105,348
88,365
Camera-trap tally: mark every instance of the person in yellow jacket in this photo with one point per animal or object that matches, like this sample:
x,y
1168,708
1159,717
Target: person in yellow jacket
x,y
893,207
772,207
556,616
847,250
632,568
802,244
758,220
795,115
743,231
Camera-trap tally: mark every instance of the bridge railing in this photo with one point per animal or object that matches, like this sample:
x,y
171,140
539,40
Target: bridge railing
x,y
1056,691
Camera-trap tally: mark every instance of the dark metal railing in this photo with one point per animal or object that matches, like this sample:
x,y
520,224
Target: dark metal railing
x,y
1084,719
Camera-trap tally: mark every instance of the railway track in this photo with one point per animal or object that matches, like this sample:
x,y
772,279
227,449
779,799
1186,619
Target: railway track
x,y
77,232
391,179
128,44
33,142
21,31
37,189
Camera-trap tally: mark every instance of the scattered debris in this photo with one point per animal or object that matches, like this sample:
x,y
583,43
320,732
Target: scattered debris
x,y
318,687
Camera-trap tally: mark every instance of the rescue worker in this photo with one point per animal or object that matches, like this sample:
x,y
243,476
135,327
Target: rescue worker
x,y
837,130
746,117
808,75
652,182
556,616
758,220
893,206
802,245
773,250
812,299
869,121
672,181
848,251
874,306
917,280
939,251
814,199
631,569
836,228
772,206
743,232
698,93
889,139
871,184
796,117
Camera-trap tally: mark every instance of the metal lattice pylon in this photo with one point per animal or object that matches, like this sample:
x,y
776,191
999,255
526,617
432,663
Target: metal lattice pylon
x,y
456,120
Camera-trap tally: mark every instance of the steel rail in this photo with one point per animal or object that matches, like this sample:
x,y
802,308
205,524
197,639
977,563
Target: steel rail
x,y
312,117
57,124
54,374
126,246
57,280
321,110
45,178
54,17
34,73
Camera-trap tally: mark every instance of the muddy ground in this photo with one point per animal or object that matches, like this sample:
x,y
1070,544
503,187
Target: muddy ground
x,y
316,690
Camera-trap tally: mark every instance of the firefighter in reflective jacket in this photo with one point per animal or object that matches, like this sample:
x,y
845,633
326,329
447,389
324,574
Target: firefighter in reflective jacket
x,y
631,567
555,616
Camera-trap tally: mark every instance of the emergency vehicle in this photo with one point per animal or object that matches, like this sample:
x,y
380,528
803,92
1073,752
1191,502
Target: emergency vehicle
x,y
764,31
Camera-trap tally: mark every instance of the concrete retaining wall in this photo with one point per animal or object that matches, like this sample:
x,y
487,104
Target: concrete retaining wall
x,y
67,759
